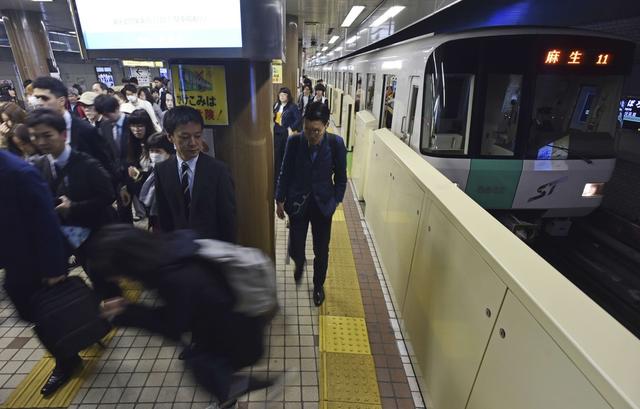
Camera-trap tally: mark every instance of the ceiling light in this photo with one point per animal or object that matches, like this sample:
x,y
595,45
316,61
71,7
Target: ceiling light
x,y
333,39
338,49
318,53
325,48
387,15
352,40
352,16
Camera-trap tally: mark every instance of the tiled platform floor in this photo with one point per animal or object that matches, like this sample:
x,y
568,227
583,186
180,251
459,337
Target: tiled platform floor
x,y
139,370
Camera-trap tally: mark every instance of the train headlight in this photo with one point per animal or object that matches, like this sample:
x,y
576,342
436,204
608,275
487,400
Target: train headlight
x,y
593,190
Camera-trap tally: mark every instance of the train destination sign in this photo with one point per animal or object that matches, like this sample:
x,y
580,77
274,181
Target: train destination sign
x,y
575,57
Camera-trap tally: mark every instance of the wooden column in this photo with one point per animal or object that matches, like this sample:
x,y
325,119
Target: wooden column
x,y
29,43
246,145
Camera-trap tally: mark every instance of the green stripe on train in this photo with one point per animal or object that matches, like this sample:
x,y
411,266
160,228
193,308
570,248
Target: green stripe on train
x,y
492,183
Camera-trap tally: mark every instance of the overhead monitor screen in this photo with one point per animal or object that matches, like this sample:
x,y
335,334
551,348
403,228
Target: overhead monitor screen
x,y
145,24
630,108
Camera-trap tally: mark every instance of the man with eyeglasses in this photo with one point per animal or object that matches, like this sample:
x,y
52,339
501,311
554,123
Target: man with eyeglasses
x,y
51,93
311,185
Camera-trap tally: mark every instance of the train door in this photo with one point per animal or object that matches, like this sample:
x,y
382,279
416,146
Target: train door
x,y
358,93
370,91
409,120
388,100
350,84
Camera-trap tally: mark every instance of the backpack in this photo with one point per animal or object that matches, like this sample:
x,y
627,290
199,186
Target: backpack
x,y
250,274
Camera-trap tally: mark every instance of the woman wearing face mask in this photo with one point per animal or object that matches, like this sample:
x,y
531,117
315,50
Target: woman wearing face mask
x,y
141,129
160,149
130,92
286,121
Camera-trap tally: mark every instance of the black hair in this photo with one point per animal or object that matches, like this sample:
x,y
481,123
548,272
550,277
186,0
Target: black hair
x,y
133,80
130,88
147,94
106,104
307,85
181,115
317,111
48,117
157,79
163,101
320,87
141,117
159,140
21,132
136,146
102,86
78,87
26,83
54,85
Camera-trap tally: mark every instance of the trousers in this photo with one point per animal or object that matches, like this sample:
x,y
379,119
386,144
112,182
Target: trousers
x,y
321,233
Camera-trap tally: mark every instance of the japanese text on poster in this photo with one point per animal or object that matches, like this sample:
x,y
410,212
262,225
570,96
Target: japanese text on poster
x,y
276,71
204,88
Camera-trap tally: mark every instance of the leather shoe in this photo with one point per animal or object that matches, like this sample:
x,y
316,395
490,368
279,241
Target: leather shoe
x,y
297,273
58,378
318,296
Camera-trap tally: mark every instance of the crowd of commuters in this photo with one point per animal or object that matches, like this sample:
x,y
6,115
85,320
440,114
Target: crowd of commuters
x,y
81,167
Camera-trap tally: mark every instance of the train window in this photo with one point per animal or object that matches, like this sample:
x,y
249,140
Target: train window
x,y
502,108
574,116
358,95
413,102
390,84
447,113
350,84
371,86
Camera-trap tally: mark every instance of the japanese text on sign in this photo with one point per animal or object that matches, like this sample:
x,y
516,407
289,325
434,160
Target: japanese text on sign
x,y
204,88
276,71
576,57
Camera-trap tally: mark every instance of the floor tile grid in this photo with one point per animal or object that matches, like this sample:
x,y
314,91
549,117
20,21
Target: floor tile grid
x,y
396,375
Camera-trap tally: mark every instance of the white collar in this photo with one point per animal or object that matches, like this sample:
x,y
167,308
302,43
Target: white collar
x,y
61,160
191,162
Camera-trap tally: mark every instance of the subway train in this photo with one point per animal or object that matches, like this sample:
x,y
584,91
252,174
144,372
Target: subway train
x,y
522,119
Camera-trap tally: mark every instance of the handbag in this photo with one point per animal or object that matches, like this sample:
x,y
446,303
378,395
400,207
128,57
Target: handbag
x,y
67,317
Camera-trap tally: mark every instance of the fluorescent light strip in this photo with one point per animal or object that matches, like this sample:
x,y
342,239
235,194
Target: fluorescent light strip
x,y
325,48
351,40
333,39
392,12
352,16
338,49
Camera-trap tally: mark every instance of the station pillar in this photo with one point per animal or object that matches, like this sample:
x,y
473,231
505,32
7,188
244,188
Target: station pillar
x,y
290,68
29,43
246,145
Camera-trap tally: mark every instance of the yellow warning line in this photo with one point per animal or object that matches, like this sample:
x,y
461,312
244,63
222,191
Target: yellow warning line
x,y
27,393
347,370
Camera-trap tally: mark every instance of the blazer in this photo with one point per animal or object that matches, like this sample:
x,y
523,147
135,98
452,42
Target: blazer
x,y
301,102
325,177
213,203
120,164
291,118
31,243
85,138
87,185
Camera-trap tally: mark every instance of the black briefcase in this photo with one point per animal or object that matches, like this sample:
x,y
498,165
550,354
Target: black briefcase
x,y
68,317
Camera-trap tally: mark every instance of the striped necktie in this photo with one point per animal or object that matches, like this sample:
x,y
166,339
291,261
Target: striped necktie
x,y
186,194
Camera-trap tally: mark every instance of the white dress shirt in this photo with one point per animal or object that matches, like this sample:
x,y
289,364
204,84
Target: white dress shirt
x,y
191,171
67,120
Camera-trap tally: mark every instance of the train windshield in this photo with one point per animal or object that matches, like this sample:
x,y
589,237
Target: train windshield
x,y
574,116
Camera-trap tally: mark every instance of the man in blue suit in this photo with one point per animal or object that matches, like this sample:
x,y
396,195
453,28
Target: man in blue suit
x,y
311,185
31,247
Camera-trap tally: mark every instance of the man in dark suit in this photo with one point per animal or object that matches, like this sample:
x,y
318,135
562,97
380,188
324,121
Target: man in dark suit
x,y
115,129
81,187
312,184
31,247
51,93
193,190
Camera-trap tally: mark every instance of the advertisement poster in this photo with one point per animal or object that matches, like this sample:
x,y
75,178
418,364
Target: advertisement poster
x,y
276,71
143,75
203,87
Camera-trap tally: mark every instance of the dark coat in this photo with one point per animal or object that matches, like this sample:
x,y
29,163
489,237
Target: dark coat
x,y
119,152
196,298
85,138
88,187
301,102
291,118
213,203
325,177
31,242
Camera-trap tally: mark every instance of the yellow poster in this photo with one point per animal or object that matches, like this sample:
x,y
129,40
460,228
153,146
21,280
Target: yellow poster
x,y
276,71
204,88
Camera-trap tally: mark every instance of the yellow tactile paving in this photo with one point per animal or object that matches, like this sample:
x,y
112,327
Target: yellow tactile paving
x,y
347,371
343,302
349,378
27,393
344,334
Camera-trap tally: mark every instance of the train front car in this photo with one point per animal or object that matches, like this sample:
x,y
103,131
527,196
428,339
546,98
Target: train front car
x,y
531,120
